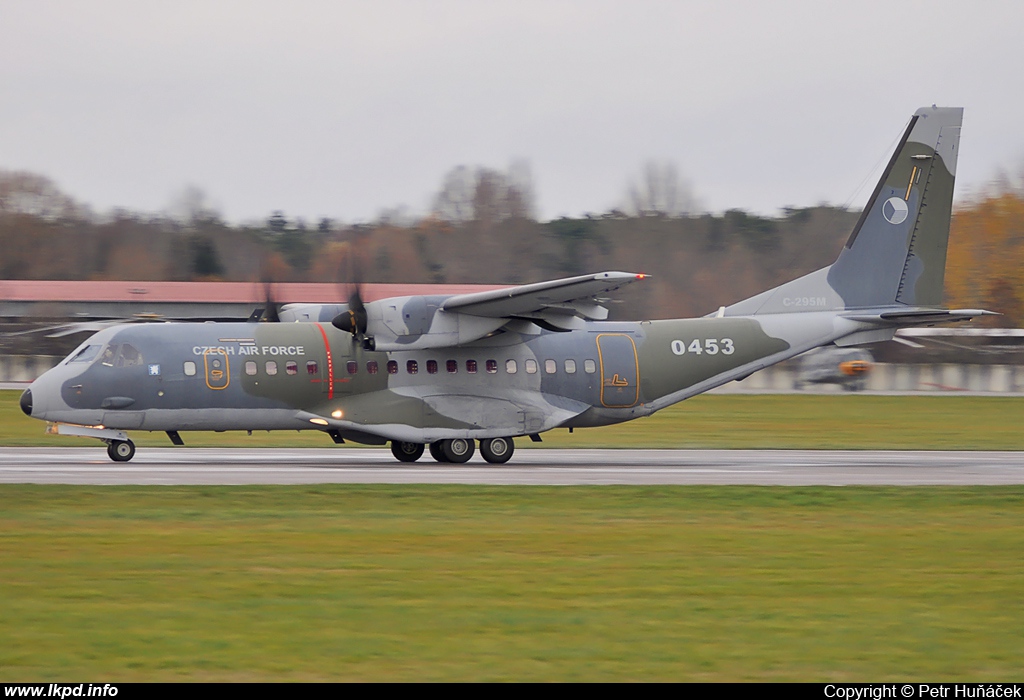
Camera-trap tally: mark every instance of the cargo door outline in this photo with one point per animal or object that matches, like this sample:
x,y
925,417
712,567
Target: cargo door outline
x,y
217,377
620,370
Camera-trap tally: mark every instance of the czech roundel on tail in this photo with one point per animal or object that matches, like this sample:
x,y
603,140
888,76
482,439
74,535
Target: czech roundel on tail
x,y
448,372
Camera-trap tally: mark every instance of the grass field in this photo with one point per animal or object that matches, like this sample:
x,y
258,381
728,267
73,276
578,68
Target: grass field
x,y
711,421
542,583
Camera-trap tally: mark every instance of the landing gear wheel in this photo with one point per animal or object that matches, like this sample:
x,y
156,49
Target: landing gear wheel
x,y
437,451
121,450
497,450
406,451
458,451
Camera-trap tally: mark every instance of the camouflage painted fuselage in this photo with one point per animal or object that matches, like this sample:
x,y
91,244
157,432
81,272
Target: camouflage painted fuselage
x,y
283,376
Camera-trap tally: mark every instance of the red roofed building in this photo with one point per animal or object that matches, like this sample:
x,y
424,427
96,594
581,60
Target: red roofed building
x,y
35,299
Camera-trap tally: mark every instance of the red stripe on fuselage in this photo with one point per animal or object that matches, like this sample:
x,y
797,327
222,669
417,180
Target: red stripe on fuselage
x,y
330,363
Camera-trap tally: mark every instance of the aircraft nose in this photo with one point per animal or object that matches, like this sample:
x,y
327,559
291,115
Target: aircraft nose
x,y
26,402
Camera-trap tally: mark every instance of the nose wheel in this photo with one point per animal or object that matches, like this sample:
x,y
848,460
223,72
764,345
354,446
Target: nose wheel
x,y
121,450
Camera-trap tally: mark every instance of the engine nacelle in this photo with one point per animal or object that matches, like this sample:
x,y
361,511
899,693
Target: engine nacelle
x,y
419,322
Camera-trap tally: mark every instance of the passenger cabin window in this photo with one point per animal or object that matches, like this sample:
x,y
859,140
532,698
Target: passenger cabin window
x,y
271,368
392,367
452,366
589,366
471,366
570,366
291,367
531,367
550,366
352,366
190,368
372,367
510,366
312,368
86,354
412,367
250,368
431,366
492,367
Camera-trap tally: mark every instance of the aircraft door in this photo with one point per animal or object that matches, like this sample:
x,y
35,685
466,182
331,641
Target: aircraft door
x,y
620,370
216,367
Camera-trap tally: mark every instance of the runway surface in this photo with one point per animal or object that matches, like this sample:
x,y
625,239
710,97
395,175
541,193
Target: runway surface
x,y
529,466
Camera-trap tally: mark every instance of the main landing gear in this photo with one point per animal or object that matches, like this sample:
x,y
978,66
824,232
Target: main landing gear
x,y
456,451
406,451
497,450
121,450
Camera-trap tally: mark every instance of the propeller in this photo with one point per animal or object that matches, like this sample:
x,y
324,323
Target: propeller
x,y
354,319
270,311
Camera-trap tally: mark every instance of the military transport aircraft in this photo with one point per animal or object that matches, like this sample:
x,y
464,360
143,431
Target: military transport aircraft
x,y
447,371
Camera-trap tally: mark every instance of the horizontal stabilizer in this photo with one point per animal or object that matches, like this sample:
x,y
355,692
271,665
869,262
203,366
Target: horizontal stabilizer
x,y
919,316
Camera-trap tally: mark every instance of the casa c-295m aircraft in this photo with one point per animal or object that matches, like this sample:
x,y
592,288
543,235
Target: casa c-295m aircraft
x,y
449,371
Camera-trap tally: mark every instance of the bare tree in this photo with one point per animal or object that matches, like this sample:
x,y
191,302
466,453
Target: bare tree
x,y
454,202
35,195
660,191
192,206
519,191
485,196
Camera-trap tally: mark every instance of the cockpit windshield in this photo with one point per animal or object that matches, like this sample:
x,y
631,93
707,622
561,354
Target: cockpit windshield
x,y
113,355
86,353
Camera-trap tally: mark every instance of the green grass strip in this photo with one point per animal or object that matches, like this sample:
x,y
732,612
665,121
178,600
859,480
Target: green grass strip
x,y
468,583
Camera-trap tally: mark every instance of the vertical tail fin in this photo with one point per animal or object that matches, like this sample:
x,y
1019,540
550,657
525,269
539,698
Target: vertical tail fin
x,y
896,254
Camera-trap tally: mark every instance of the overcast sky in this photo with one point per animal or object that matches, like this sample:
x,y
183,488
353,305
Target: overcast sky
x,y
344,109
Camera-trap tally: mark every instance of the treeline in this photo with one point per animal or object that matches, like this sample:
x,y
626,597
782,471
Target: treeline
x,y
482,231
985,262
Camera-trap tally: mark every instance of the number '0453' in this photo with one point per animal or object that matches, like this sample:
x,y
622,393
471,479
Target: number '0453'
x,y
709,346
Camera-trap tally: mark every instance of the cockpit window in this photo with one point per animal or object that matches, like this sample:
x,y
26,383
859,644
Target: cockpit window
x,y
128,357
86,354
107,358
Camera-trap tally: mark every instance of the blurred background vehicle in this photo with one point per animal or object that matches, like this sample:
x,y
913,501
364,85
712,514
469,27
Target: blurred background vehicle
x,y
846,367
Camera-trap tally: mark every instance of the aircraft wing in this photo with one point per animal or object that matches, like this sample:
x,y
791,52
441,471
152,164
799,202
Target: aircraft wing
x,y
572,296
424,322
